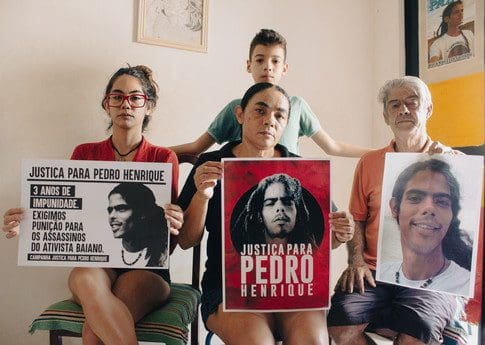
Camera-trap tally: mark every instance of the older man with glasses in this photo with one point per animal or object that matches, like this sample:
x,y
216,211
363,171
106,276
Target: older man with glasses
x,y
359,303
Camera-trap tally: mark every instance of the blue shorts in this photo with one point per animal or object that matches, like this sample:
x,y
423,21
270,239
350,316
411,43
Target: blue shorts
x,y
421,314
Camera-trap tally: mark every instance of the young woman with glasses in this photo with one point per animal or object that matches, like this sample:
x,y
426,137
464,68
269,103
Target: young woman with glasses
x,y
113,300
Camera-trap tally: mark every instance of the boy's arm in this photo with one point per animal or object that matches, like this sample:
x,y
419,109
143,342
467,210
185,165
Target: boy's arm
x,y
337,148
223,128
195,147
310,126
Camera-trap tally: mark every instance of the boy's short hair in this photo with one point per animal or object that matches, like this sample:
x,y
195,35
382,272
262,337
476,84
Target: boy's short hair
x,y
267,37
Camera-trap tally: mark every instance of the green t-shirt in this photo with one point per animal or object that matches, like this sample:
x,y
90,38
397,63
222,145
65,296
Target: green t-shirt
x,y
302,122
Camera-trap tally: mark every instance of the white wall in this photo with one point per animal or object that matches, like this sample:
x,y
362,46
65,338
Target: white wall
x,y
56,57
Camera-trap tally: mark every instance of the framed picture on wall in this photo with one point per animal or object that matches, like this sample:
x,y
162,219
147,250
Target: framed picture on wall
x,y
178,24
444,39
444,42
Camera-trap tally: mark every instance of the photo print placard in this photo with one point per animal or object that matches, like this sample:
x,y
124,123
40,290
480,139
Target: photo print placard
x,y
276,236
94,214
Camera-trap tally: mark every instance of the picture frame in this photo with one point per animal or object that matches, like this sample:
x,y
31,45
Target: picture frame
x,y
456,85
422,20
173,23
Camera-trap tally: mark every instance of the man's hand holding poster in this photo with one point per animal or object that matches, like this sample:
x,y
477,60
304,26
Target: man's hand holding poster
x,y
92,213
429,222
276,238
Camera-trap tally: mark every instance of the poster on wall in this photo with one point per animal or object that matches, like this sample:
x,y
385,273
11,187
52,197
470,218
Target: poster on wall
x,y
445,48
174,23
94,214
450,32
430,222
450,38
276,237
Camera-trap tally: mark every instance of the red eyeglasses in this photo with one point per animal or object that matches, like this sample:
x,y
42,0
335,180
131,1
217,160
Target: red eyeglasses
x,y
136,100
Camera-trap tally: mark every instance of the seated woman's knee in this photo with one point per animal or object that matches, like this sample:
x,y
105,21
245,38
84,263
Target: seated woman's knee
x,y
88,281
242,328
307,339
141,286
308,327
245,334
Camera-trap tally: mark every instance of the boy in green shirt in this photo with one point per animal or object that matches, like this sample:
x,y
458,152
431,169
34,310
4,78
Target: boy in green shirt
x,y
267,63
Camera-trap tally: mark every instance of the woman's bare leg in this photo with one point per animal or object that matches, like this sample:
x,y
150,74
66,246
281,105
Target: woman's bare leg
x,y
242,328
108,320
303,327
141,291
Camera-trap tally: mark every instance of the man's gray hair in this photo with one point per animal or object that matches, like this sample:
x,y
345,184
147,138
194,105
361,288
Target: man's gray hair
x,y
409,82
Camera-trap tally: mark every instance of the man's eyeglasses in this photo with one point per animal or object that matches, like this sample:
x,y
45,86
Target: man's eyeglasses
x,y
136,100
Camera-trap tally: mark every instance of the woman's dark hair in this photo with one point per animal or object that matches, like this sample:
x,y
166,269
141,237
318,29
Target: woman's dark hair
x,y
457,244
443,28
149,86
148,218
256,88
249,227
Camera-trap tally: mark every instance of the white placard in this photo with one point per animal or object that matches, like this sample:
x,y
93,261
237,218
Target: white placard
x,y
94,213
413,230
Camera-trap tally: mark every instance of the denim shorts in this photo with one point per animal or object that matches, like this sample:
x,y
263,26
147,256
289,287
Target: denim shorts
x,y
421,314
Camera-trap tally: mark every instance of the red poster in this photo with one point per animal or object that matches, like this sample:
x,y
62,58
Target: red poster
x,y
276,236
